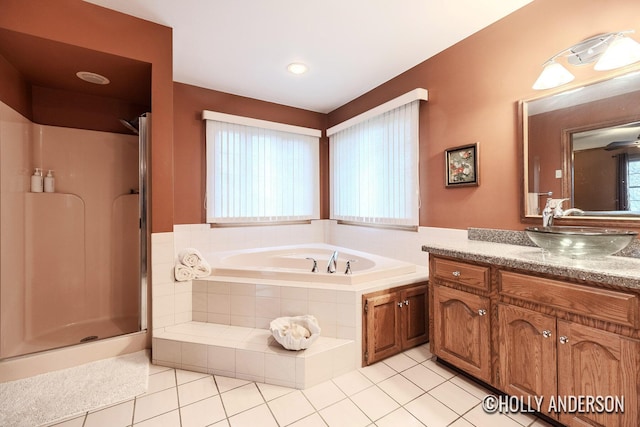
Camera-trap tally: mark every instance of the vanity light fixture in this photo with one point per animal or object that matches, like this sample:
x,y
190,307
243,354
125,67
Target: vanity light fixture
x,y
297,68
610,50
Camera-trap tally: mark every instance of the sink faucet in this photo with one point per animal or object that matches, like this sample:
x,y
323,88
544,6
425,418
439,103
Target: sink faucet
x,y
333,262
553,209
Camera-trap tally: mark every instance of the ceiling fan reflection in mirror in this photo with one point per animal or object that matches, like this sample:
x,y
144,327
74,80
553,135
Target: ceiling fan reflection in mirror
x,y
623,144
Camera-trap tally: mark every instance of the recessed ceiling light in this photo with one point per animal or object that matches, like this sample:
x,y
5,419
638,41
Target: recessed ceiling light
x,y
94,78
297,68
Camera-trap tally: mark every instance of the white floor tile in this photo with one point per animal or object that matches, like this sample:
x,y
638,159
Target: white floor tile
x,y
478,417
431,412
470,386
454,397
461,422
270,391
313,420
344,414
439,369
419,354
377,372
400,389
227,383
170,419
161,381
423,377
399,417
196,390
324,394
183,376
400,362
352,382
242,398
258,416
202,413
290,408
152,405
120,415
374,402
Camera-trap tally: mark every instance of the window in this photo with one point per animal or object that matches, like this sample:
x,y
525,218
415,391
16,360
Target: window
x,y
374,169
634,182
257,174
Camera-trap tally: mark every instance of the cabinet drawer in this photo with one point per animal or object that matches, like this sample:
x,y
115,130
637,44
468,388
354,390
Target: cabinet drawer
x,y
460,272
613,306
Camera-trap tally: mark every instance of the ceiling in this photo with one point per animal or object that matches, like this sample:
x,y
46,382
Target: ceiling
x,y
350,46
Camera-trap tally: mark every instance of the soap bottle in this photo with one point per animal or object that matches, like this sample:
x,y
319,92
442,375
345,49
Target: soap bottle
x,y
49,182
37,181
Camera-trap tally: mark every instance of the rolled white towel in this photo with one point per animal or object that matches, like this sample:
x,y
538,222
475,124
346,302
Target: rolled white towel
x,y
190,257
183,273
203,269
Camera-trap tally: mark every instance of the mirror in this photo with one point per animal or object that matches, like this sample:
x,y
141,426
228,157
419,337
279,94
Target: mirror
x,y
584,145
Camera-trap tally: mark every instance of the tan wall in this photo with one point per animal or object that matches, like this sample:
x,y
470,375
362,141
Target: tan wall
x,y
85,25
474,87
189,155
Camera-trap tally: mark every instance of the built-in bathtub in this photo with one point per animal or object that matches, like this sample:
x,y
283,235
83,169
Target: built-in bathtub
x,y
231,311
295,263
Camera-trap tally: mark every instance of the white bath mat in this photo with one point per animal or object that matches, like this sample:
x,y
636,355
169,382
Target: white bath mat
x,y
45,398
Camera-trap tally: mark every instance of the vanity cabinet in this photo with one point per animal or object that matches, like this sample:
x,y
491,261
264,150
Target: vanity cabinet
x,y
461,316
394,320
544,352
538,336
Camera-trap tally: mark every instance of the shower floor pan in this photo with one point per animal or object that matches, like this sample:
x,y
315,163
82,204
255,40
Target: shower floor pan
x,y
75,333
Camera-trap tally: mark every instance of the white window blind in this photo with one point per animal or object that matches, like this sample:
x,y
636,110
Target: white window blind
x,y
374,169
260,175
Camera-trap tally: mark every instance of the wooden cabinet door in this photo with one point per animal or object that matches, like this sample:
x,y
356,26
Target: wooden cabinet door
x,y
592,362
461,330
415,316
527,352
382,327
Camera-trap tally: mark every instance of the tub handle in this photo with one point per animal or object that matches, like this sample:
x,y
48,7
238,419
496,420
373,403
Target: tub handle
x,y
314,269
348,270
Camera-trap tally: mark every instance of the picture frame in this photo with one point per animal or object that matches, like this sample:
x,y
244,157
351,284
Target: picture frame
x,y
462,166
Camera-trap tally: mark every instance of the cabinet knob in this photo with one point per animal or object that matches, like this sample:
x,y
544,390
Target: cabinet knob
x,y
564,340
482,312
406,302
400,304
456,273
546,333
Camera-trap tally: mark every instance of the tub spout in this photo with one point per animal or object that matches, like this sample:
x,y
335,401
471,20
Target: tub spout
x,y
333,262
314,269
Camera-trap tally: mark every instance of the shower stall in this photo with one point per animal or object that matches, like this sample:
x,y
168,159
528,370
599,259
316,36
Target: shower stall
x,y
72,262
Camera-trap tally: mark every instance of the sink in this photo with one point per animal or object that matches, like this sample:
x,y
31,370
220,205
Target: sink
x,y
591,242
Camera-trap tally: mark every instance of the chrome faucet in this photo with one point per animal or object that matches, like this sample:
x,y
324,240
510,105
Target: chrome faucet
x,y
314,269
348,270
333,262
553,209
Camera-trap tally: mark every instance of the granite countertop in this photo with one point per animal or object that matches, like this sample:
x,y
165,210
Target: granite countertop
x,y
614,270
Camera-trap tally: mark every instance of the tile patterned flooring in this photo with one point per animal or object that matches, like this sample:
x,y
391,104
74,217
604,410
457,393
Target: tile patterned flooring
x,y
409,389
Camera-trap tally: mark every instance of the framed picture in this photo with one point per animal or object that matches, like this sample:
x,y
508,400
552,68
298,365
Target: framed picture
x,y
461,165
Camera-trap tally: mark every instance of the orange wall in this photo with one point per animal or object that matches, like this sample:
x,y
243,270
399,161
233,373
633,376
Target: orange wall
x,y
82,24
189,155
474,87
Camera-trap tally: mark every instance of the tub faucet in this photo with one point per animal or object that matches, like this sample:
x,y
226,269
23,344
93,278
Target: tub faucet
x,y
348,270
314,269
333,262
